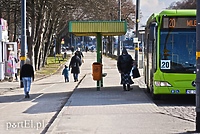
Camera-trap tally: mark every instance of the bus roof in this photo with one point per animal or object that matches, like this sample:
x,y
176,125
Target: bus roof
x,y
179,12
173,12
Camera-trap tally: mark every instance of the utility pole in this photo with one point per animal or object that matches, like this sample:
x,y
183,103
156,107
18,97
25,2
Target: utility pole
x,y
71,40
136,29
23,34
119,37
198,67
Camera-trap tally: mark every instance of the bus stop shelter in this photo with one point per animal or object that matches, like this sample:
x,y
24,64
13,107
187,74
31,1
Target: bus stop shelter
x,y
98,29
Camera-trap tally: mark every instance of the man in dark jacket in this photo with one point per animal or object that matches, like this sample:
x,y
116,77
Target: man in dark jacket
x,y
80,54
75,64
124,65
27,76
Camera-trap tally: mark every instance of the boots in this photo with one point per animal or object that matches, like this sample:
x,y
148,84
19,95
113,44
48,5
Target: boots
x,y
128,87
27,95
124,87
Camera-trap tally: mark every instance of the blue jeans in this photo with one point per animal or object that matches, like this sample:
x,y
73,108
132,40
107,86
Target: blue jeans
x,y
66,78
75,76
27,84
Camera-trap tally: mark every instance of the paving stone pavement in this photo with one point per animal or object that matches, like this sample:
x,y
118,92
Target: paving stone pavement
x,y
111,110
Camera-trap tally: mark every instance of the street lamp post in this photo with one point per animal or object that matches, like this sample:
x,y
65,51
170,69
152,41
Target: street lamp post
x,y
119,37
23,31
23,35
136,28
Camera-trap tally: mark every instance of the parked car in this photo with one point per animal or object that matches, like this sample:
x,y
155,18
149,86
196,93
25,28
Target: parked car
x,y
92,48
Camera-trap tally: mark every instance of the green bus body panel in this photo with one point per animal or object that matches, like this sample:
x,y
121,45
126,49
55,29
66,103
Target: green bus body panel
x,y
183,12
179,81
91,28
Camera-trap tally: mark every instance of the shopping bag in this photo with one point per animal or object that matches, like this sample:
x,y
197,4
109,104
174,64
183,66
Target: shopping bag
x,y
135,72
131,73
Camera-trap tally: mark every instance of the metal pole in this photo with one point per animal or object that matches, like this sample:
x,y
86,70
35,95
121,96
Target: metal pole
x,y
71,41
75,43
99,46
119,37
143,50
23,34
198,67
55,44
136,29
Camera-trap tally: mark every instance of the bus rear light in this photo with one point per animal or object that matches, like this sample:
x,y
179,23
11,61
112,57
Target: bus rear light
x,y
162,84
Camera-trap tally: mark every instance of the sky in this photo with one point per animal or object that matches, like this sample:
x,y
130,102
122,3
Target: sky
x,y
147,7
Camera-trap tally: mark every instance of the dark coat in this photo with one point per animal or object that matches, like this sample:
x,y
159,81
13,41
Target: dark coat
x,y
125,63
75,64
27,71
65,72
80,54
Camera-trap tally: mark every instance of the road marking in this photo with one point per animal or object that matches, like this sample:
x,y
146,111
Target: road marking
x,y
42,93
18,100
12,103
46,87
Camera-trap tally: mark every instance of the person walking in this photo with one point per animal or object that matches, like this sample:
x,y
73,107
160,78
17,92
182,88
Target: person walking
x,y
72,49
18,63
17,68
86,49
80,54
75,64
27,76
124,65
11,66
65,72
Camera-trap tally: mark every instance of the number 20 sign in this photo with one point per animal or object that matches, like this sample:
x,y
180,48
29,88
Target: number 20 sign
x,y
165,64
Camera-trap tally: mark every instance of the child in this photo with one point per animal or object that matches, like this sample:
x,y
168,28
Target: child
x,y
65,72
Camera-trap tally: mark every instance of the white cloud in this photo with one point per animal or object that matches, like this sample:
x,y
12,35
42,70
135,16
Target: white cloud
x,y
149,7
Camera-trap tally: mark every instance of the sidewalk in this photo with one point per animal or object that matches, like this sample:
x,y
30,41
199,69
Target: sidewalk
x,y
6,86
112,110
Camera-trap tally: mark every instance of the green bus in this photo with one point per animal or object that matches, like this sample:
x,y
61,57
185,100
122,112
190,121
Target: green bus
x,y
170,53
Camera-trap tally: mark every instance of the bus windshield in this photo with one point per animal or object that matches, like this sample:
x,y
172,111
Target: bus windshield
x,y
178,50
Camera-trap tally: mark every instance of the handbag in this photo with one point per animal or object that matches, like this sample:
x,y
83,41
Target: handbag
x,y
135,72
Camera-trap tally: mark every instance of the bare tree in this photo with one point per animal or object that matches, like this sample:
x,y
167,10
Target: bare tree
x,y
183,4
46,18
